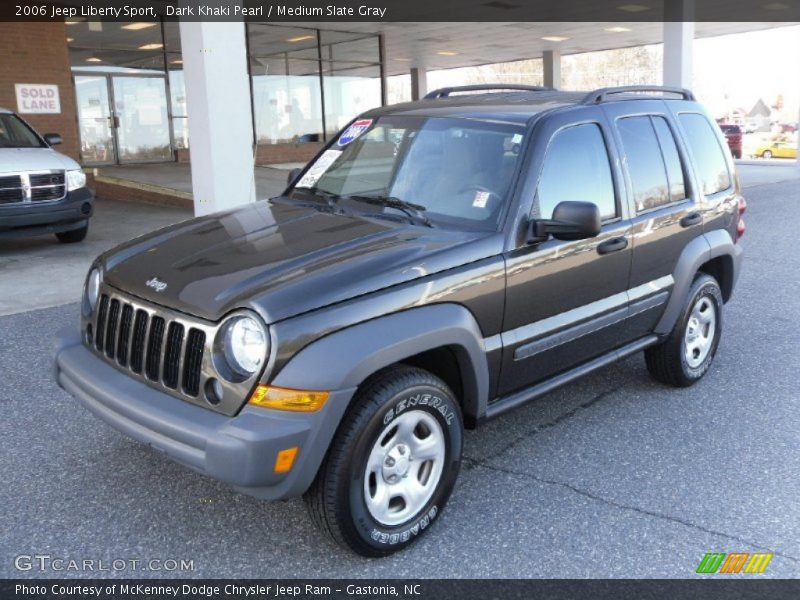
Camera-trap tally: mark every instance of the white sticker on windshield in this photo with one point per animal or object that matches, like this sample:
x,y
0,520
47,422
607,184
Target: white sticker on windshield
x,y
481,198
318,169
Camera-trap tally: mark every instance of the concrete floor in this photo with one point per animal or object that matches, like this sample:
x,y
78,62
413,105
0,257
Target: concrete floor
x,y
39,272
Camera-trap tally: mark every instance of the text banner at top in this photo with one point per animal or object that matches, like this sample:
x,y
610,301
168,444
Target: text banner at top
x,y
405,10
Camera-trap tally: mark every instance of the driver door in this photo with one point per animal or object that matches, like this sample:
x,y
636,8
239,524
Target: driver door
x,y
567,300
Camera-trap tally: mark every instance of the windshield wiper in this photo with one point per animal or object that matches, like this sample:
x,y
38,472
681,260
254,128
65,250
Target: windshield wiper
x,y
414,211
331,198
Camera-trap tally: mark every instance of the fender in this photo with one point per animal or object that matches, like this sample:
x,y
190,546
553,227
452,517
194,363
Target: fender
x,y
700,250
351,355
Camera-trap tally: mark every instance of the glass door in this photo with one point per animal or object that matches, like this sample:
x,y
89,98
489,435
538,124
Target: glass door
x,y
142,118
95,120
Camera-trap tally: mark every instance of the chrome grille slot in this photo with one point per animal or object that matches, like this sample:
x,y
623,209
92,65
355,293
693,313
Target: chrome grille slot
x,y
193,361
137,343
37,186
155,342
172,355
124,336
111,328
100,329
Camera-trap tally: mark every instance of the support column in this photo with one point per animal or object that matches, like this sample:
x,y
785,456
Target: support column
x,y
551,65
678,43
219,114
419,83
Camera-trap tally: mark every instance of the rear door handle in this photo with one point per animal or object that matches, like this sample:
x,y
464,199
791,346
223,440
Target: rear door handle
x,y
691,219
612,245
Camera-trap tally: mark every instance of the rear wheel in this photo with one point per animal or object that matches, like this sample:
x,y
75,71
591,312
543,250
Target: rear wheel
x,y
685,356
73,236
392,464
766,154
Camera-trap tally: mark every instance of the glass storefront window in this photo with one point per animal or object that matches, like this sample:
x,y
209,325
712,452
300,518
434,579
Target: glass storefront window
x,y
350,89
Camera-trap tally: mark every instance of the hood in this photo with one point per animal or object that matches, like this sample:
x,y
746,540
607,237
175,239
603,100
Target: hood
x,y
13,160
283,259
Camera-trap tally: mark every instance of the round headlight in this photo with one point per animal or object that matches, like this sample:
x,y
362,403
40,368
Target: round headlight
x,y
93,288
245,344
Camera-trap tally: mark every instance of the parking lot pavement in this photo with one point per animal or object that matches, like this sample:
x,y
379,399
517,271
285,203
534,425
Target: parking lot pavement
x,y
614,475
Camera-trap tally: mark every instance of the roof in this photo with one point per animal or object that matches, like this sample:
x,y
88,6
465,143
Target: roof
x,y
5,110
517,107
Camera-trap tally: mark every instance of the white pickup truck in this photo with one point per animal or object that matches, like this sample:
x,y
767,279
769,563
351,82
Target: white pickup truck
x,y
41,190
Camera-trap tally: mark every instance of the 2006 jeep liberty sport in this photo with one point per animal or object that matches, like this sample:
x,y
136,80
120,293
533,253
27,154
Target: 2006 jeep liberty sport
x,y
439,263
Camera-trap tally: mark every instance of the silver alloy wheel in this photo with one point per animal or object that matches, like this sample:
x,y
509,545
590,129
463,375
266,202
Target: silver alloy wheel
x,y
700,329
404,467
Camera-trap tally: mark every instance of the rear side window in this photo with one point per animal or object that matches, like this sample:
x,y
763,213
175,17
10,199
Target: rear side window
x,y
707,152
576,167
654,164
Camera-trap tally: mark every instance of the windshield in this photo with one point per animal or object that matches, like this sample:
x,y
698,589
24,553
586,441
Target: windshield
x,y
14,133
457,171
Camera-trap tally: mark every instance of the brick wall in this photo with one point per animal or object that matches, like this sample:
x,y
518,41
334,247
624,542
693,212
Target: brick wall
x,y
37,53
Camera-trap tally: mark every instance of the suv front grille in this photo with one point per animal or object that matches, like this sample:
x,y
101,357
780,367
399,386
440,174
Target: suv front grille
x,y
47,186
150,343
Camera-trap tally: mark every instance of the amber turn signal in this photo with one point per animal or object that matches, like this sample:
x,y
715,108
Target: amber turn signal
x,y
285,460
290,400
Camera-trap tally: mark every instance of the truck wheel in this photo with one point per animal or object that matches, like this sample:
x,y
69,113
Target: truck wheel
x,y
392,464
685,356
73,236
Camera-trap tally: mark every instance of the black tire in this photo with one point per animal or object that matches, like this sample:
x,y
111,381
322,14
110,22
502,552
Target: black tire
x,y
668,362
737,154
336,500
766,154
73,236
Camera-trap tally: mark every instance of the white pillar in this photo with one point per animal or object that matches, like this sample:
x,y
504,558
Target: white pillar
x,y
678,43
419,82
551,65
219,114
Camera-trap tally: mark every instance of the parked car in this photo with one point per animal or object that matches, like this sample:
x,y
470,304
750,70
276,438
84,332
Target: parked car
x,y
41,190
777,149
733,135
335,341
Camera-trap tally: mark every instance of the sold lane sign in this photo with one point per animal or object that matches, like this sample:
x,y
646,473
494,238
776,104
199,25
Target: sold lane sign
x,y
37,99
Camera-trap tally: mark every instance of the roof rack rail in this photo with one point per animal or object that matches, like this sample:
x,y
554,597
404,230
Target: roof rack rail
x,y
484,87
602,94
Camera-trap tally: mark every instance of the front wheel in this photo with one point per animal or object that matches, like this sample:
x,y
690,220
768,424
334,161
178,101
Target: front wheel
x,y
685,356
766,154
392,464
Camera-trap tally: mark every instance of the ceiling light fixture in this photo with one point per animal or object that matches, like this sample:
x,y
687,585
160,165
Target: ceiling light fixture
x,y
447,53
151,46
93,59
617,29
300,38
137,26
555,38
70,40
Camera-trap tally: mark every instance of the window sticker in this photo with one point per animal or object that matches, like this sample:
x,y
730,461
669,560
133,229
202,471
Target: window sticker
x,y
354,131
318,169
480,200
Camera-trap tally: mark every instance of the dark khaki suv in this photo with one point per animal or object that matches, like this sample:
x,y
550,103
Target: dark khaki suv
x,y
438,264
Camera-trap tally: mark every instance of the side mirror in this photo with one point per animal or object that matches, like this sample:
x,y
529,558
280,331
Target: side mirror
x,y
571,221
52,139
293,175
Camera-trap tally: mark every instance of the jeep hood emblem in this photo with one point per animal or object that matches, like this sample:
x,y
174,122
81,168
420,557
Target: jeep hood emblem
x,y
156,284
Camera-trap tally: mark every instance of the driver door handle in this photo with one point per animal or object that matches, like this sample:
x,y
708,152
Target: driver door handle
x,y
612,245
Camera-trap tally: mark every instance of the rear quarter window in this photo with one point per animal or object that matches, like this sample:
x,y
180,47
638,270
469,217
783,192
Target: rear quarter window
x,y
709,157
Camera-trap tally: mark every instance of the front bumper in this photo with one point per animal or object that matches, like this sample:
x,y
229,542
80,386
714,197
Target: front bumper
x,y
32,218
239,450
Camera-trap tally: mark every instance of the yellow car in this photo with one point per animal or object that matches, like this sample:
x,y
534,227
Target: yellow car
x,y
778,150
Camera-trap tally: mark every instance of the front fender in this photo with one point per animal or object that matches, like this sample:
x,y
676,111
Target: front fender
x,y
347,357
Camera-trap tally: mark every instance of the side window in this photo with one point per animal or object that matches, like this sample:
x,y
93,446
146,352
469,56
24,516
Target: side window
x,y
653,161
669,149
707,153
576,167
